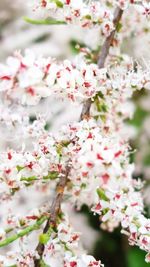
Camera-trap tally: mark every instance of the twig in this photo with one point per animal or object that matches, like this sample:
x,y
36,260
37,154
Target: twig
x,y
23,232
101,60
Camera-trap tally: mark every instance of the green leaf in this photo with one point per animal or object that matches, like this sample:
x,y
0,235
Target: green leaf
x,y
88,17
51,176
58,3
101,194
139,116
48,21
44,238
83,185
101,106
19,168
119,27
40,39
43,264
29,179
14,190
76,46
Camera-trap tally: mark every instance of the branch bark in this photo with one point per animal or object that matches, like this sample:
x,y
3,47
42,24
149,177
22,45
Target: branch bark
x,y
102,58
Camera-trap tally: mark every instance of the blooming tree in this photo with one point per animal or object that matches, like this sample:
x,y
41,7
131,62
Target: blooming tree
x,y
85,162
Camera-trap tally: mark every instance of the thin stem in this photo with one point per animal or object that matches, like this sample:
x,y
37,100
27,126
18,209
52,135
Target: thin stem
x,y
51,176
24,232
102,58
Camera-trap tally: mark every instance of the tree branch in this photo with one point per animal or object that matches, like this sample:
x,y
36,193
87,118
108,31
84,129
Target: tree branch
x,y
56,205
54,211
102,58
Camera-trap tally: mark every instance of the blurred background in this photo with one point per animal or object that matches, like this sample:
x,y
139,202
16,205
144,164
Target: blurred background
x,y
60,42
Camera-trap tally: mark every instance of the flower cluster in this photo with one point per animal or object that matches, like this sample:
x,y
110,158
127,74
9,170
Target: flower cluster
x,y
113,105
62,249
121,202
123,4
44,163
85,144
87,15
95,149
99,158
95,155
17,259
16,223
101,170
93,14
28,79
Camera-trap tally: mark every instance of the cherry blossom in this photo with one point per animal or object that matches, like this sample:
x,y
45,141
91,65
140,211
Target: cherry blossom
x,y
35,78
78,12
87,15
99,158
84,162
60,249
102,166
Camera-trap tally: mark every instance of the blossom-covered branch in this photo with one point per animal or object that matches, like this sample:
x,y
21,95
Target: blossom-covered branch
x,y
28,79
101,60
85,162
89,14
56,205
55,210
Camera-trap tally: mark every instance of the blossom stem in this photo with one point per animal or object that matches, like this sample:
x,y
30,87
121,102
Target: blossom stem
x,y
50,176
24,232
102,58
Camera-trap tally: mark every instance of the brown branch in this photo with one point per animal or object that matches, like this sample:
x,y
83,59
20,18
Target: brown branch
x,y
54,211
56,205
102,58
